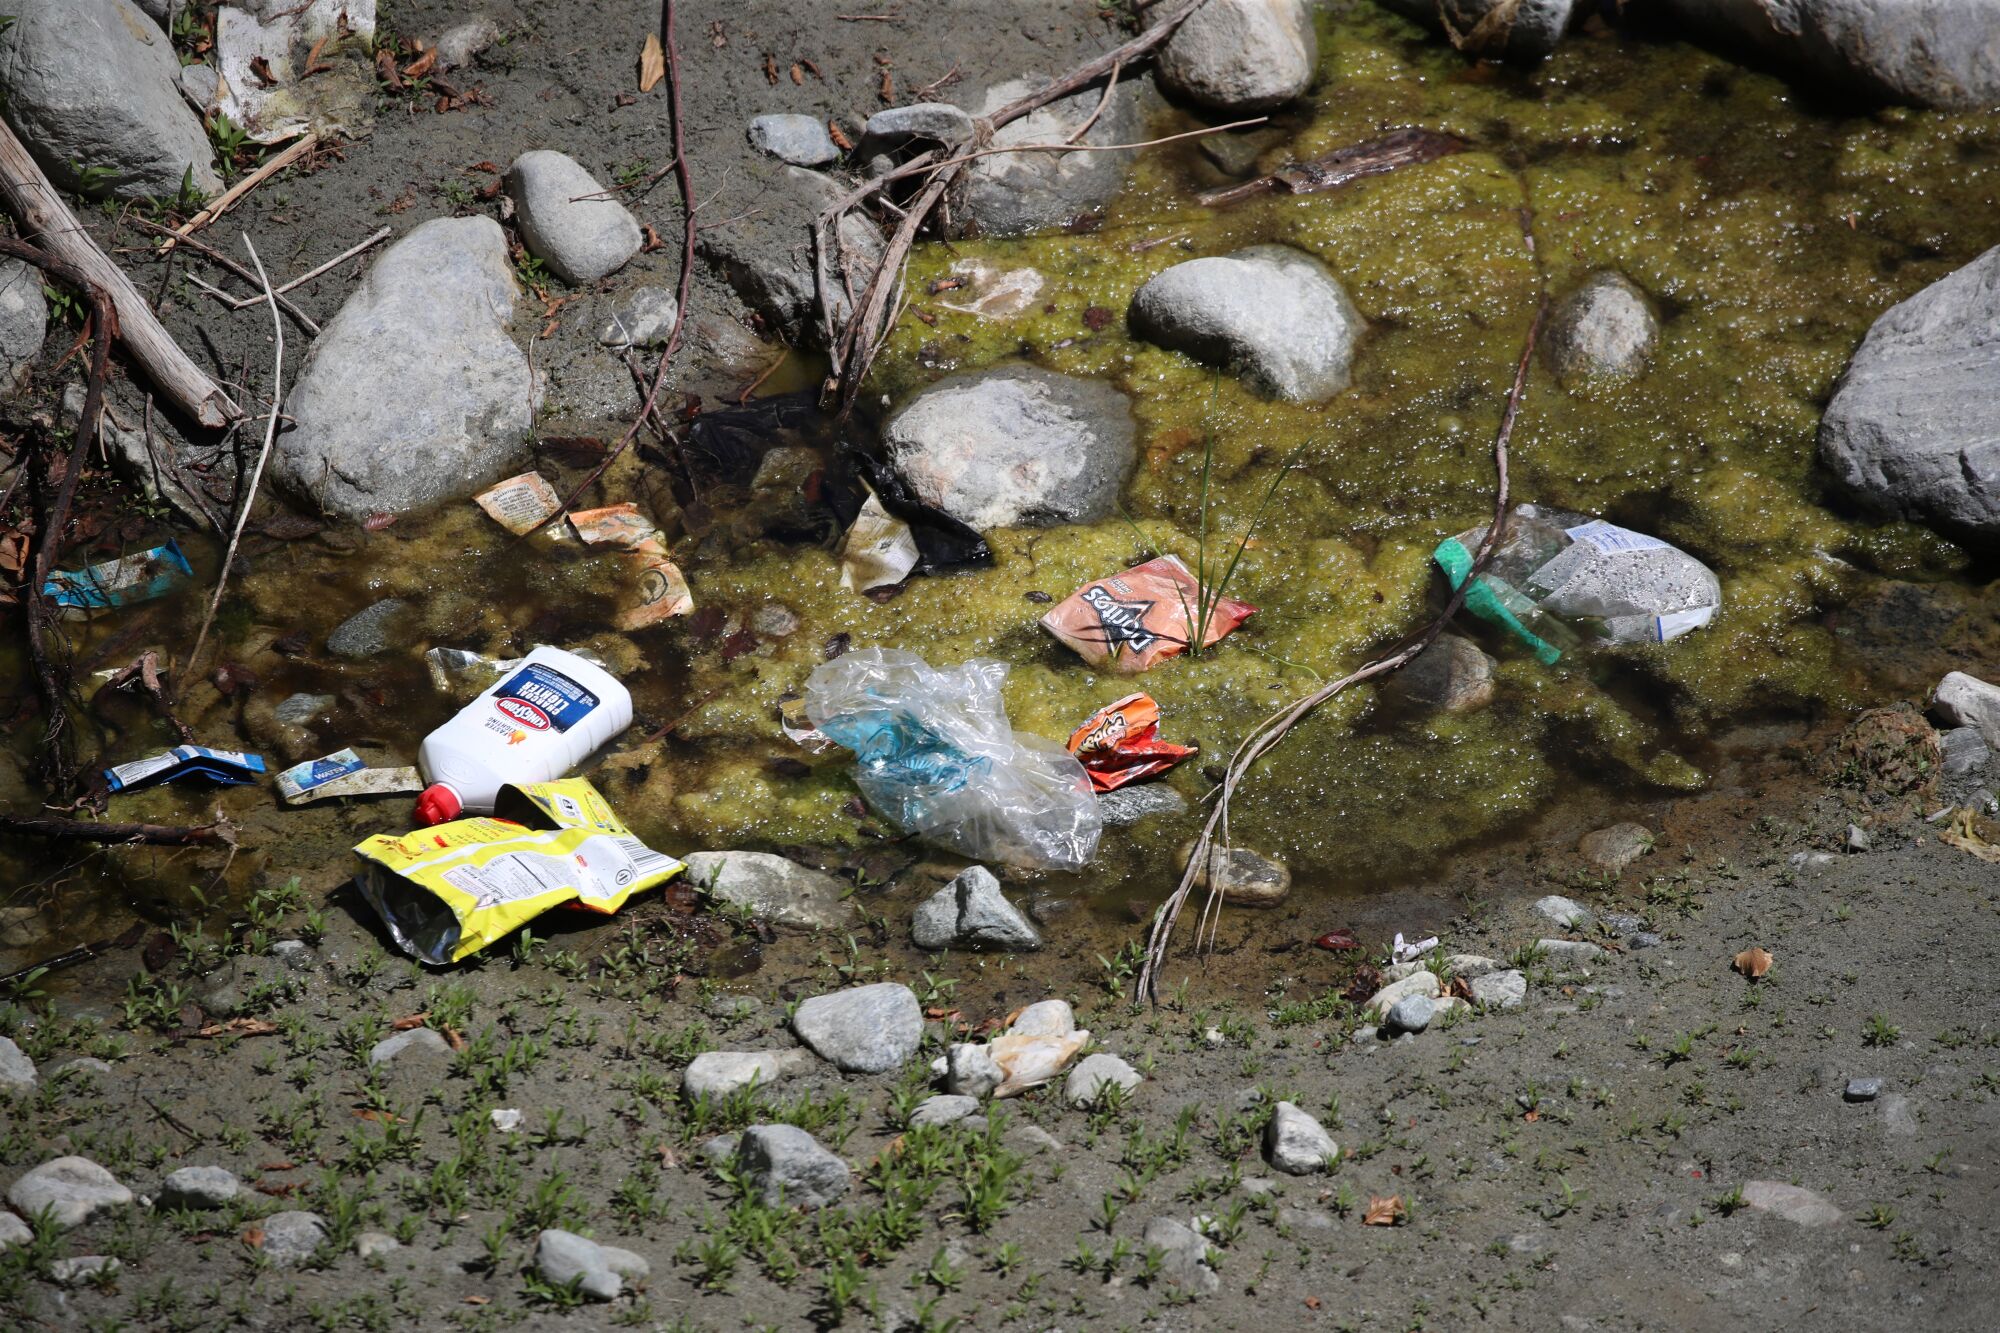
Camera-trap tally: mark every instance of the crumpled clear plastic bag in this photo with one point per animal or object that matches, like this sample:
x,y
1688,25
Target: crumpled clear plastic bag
x,y
934,752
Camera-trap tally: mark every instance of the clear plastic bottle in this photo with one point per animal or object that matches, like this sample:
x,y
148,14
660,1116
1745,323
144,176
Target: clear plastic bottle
x,y
536,723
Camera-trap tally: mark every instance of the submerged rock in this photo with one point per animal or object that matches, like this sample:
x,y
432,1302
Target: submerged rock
x,y
799,140
1453,675
24,321
1146,800
1604,328
565,222
1529,34
1246,878
1015,446
772,887
765,250
1240,55
1008,194
1273,313
92,88
1943,53
369,632
413,393
1612,849
972,913
1914,427
864,1029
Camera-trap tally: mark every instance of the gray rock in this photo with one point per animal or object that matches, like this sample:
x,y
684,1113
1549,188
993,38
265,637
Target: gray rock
x,y
1453,675
1565,912
563,1257
296,955
1533,32
970,1070
413,393
1423,983
83,1268
91,85
720,1149
13,1231
1499,990
24,321
1183,1256
1612,849
1792,1203
772,887
20,927
1470,965
1604,328
83,1066
642,317
864,1029
298,709
1030,1139
371,631
580,236
971,913
1145,800
765,249
198,1187
799,140
1645,939
1912,428
786,1164
1899,1119
423,1041
943,1109
194,477
461,43
1965,751
720,1073
1240,55
1862,1089
1961,700
1008,194
292,1238
375,1244
1246,878
1297,1144
1412,1013
1093,1074
1015,446
75,1189
201,83
1272,313
933,122
1858,838
1570,953
17,1071
1943,53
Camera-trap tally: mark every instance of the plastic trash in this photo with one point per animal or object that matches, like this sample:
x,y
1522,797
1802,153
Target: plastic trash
x,y
1559,580
878,550
533,725
1120,743
1138,619
934,752
228,768
343,773
450,891
136,578
655,589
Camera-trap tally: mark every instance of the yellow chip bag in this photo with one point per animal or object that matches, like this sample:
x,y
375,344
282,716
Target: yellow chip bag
x,y
448,891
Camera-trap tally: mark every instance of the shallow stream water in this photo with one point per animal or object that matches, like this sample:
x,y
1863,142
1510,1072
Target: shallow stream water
x,y
1769,232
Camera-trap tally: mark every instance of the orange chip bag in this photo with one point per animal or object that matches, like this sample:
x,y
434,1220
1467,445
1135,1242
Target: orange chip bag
x,y
1120,743
1135,620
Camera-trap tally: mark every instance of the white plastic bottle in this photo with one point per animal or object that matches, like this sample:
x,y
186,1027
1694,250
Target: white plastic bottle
x,y
536,723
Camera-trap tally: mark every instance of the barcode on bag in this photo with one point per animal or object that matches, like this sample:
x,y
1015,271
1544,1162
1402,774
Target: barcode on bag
x,y
645,861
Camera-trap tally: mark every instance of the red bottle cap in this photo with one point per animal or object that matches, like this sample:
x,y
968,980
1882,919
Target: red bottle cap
x,y
438,803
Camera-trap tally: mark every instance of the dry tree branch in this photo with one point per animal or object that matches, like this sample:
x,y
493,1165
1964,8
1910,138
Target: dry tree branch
x,y
86,830
145,672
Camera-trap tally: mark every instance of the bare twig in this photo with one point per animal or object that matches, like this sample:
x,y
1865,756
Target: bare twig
x,y
1273,729
257,473
1110,87
380,235
145,672
87,830
300,317
227,199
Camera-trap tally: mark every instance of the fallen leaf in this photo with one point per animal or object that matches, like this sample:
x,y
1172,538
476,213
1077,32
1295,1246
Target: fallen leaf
x,y
716,37
239,1027
254,1238
277,1166
1383,1212
377,522
652,63
454,1038
1337,940
314,65
261,68
1753,963
653,240
489,167
839,136
887,91
277,1189
1096,317
379,1117
770,69
385,68
1533,1117
479,1300
1312,1302
422,65
408,1021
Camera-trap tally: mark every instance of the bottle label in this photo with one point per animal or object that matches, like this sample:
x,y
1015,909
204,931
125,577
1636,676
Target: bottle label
x,y
540,698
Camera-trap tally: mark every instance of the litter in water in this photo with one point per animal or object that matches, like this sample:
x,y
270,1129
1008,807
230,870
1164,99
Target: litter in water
x,y
1120,743
520,504
343,774
655,590
136,578
229,768
1136,620
878,550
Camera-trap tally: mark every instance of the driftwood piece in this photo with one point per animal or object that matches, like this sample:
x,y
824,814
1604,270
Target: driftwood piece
x,y
88,830
42,216
1373,157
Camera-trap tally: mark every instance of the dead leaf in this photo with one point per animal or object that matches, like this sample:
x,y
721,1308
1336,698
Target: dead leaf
x,y
1532,1117
277,1189
653,239
770,69
668,1157
1383,1212
314,65
839,136
385,68
454,1038
408,1021
812,69
278,1166
479,1300
652,63
1312,1302
887,92
1753,963
379,1117
254,1238
422,65
716,37
239,1027
798,75
261,68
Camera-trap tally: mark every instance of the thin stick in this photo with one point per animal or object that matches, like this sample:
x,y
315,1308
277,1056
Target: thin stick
x,y
257,473
304,320
86,830
227,199
1110,87
1067,147
304,278
145,671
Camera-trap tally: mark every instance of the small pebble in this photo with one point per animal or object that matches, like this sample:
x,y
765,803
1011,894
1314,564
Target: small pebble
x,y
1862,1089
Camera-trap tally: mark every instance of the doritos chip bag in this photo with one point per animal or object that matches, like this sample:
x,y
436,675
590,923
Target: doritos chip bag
x,y
1135,620
1120,743
448,891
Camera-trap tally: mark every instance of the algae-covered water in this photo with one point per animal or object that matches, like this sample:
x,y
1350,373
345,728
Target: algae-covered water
x,y
1768,232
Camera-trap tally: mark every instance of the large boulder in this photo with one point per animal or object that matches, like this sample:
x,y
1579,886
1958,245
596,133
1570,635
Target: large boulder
x,y
413,393
765,248
1523,31
24,321
1271,312
1240,55
92,87
1914,426
1015,446
1008,194
1928,52
568,220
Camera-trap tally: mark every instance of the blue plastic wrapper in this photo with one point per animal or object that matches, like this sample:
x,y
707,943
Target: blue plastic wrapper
x,y
136,578
229,768
935,754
